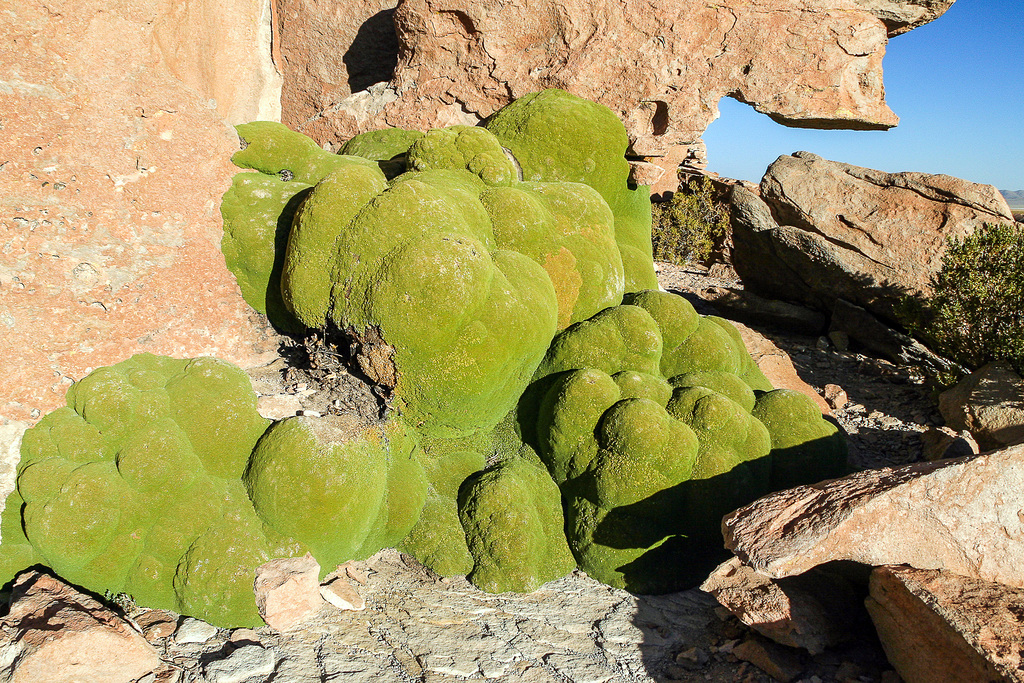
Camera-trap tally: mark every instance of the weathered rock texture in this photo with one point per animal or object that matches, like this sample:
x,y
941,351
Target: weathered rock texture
x,y
937,626
54,634
661,66
221,49
989,404
111,179
328,50
815,610
963,515
823,230
288,591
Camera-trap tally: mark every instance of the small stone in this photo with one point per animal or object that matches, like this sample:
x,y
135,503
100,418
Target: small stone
x,y
242,664
54,634
692,657
835,396
342,595
728,646
245,636
288,591
194,631
156,624
772,659
823,344
354,573
278,406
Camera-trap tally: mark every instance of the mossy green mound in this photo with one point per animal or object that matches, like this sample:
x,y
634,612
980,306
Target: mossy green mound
x,y
258,210
646,416
512,518
135,487
805,448
556,136
305,472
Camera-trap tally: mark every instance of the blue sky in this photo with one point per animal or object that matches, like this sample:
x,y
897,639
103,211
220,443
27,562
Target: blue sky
x,y
957,85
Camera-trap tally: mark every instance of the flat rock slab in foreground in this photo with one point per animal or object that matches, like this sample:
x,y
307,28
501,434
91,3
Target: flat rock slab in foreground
x,y
54,634
964,515
419,627
937,626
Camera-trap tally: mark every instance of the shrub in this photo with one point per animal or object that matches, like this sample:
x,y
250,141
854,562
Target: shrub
x,y
686,226
976,311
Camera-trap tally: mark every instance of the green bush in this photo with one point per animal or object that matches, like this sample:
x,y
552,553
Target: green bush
x,y
686,226
976,311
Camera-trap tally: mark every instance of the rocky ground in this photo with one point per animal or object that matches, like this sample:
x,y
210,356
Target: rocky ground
x,y
419,627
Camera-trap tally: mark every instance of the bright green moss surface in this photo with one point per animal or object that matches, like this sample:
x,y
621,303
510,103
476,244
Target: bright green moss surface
x,y
134,487
647,465
463,147
309,260
806,448
438,540
568,229
556,136
381,145
258,211
305,471
512,517
468,322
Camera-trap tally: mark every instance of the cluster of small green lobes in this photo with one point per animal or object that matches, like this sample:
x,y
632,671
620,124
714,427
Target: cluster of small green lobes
x,y
130,488
655,422
161,480
487,241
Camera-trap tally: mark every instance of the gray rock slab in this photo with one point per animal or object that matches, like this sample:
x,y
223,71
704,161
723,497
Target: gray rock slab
x,y
417,626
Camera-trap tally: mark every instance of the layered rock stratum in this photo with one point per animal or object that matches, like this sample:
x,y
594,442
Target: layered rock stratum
x,y
662,66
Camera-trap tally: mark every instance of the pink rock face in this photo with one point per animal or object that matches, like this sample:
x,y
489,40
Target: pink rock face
x,y
777,365
58,635
964,515
111,179
823,230
288,591
661,66
938,626
815,610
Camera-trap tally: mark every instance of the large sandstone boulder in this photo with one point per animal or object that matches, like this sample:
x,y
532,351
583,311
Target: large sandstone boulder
x,y
823,230
328,50
661,66
989,404
116,154
938,626
963,515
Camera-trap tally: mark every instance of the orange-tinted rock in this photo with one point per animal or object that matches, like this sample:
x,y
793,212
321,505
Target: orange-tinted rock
x,y
661,66
111,180
54,634
823,230
964,515
328,51
777,366
938,626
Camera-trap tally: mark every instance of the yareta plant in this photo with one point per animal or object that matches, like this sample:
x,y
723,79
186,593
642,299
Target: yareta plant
x,y
547,406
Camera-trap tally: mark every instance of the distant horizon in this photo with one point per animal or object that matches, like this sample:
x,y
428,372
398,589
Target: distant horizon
x,y
946,80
